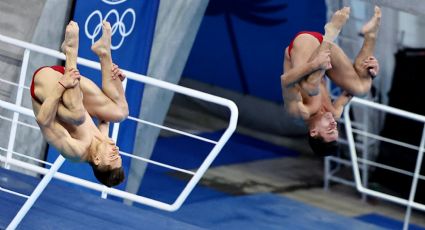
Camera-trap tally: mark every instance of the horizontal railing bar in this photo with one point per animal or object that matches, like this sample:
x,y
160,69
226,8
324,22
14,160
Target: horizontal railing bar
x,y
91,185
28,157
345,142
157,163
173,130
376,164
343,161
12,107
13,83
392,198
342,181
28,112
123,153
389,109
20,122
334,171
385,139
18,109
390,168
13,192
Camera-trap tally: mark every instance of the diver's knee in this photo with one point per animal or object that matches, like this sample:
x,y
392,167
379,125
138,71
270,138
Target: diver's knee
x,y
121,113
79,116
310,88
361,89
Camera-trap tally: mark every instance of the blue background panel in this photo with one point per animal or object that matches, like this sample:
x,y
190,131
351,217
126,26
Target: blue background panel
x,y
254,34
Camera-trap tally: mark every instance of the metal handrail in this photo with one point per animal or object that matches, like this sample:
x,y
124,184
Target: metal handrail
x,y
409,203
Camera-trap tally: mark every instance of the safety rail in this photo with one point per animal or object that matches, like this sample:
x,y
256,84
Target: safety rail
x,y
52,172
409,203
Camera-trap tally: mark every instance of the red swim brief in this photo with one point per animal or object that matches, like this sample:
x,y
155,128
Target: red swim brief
x,y
59,69
317,35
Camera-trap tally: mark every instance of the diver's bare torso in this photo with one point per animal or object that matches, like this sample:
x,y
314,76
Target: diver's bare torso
x,y
301,105
83,133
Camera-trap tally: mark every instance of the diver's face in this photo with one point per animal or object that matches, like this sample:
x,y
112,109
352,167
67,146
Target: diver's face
x,y
325,127
109,156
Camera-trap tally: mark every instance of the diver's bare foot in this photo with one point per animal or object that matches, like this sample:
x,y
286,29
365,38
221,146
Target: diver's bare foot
x,y
372,26
102,47
334,26
70,43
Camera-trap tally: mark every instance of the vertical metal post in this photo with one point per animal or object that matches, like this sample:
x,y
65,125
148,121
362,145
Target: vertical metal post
x,y
415,181
36,193
11,143
365,150
116,126
352,146
327,173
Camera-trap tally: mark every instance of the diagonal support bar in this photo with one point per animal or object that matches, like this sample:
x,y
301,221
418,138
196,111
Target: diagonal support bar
x,y
36,193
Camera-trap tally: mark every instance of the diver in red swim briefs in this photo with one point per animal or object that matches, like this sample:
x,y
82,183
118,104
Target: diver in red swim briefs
x,y
64,103
308,57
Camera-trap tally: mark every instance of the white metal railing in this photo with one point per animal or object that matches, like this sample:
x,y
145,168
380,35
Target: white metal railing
x,y
18,109
409,203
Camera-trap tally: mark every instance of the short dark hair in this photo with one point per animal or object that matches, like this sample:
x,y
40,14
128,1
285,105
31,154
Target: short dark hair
x,y
109,177
322,148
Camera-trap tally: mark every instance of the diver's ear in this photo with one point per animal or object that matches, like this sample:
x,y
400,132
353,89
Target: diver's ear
x,y
96,159
313,132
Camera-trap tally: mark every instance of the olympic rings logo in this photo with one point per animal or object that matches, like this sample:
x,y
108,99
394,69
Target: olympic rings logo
x,y
118,26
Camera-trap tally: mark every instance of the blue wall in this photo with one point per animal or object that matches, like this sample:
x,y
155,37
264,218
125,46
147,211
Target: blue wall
x,y
260,30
